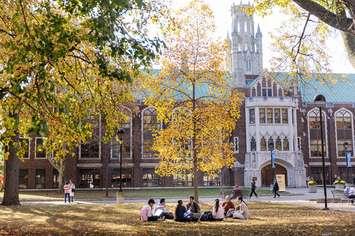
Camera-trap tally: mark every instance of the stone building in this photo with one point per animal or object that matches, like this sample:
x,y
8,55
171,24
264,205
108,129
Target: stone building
x,y
285,116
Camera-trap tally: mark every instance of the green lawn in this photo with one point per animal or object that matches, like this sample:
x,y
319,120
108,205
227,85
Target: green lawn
x,y
133,194
82,219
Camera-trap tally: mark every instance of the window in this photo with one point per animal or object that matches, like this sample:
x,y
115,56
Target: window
x,y
341,147
262,116
270,115
263,144
23,178
40,152
40,179
270,144
211,180
126,177
315,148
24,147
149,125
251,116
344,131
284,115
277,115
278,145
151,179
252,144
124,135
286,145
90,150
236,144
89,178
266,89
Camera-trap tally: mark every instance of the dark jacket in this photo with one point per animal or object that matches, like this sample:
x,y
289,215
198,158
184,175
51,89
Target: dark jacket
x,y
194,207
179,212
276,187
253,185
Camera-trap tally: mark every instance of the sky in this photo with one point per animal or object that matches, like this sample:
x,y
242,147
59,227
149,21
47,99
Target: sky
x,y
221,8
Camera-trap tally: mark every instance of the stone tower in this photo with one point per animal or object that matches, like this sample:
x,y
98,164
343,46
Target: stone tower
x,y
246,46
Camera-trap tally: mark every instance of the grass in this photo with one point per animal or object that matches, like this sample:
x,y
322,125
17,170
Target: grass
x,y
133,194
82,219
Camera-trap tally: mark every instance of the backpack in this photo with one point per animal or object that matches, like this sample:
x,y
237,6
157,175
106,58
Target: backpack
x,y
206,216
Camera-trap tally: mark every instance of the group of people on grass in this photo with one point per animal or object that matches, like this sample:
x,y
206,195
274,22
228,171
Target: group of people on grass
x,y
192,211
69,190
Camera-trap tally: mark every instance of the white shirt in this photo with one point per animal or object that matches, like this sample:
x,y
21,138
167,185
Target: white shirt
x,y
219,214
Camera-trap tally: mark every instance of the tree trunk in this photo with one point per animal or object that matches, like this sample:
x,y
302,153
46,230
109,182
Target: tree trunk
x,y
12,167
193,144
61,176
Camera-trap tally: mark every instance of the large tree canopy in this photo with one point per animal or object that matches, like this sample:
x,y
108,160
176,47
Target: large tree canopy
x,y
64,64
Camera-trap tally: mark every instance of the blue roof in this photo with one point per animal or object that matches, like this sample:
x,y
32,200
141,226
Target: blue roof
x,y
336,88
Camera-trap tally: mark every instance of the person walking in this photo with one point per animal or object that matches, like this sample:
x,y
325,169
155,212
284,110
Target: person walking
x,y
253,188
67,191
275,189
72,190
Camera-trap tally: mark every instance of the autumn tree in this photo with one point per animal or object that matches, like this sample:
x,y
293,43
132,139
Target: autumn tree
x,y
301,43
192,97
62,65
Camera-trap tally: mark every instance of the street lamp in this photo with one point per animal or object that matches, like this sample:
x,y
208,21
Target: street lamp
x,y
348,161
320,101
121,132
273,159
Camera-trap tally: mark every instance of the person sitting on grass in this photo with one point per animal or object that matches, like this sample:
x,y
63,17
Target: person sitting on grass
x,y
217,211
147,212
162,212
194,208
181,213
228,206
349,192
242,211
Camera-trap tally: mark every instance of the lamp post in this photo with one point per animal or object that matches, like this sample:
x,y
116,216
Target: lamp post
x,y
320,101
121,132
273,164
348,161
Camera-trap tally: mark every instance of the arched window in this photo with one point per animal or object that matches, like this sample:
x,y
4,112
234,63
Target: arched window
x,y
270,144
253,92
286,145
344,131
252,144
263,144
149,125
278,145
315,146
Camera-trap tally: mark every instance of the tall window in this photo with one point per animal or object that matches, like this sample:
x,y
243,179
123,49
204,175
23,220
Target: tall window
x,y
278,144
251,116
40,152
124,136
262,116
314,133
266,90
263,146
270,115
270,144
252,144
40,178
90,149
23,178
24,147
344,131
284,115
149,125
277,115
286,145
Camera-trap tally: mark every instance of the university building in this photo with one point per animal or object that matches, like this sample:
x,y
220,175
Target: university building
x,y
285,117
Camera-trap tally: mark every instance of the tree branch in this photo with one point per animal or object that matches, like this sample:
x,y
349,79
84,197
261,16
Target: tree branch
x,y
341,23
